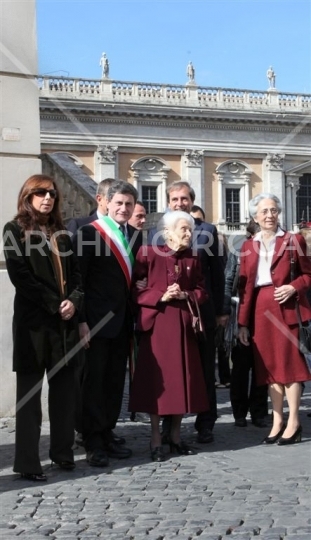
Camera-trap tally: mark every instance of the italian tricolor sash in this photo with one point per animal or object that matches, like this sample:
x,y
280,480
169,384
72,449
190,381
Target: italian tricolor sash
x,y
113,237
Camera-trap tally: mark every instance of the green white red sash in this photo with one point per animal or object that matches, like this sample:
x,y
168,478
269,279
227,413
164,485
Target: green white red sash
x,y
120,247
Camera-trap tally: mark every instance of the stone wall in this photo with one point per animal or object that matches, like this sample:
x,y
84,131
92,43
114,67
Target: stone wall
x,y
19,150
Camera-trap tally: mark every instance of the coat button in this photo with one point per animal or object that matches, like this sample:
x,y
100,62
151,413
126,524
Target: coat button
x,y
272,272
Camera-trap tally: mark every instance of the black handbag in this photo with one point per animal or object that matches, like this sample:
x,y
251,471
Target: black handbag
x,y
304,329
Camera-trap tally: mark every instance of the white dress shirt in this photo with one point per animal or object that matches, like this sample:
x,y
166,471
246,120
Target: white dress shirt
x,y
263,276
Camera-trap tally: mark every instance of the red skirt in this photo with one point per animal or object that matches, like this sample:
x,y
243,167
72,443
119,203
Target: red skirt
x,y
276,355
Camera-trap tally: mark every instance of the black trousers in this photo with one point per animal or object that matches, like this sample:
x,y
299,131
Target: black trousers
x,y
103,387
207,419
79,376
61,401
245,395
224,373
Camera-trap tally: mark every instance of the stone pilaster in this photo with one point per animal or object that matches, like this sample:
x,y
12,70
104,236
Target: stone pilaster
x,y
292,186
193,172
106,162
273,178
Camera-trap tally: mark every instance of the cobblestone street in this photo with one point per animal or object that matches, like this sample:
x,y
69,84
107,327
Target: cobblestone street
x,y
233,486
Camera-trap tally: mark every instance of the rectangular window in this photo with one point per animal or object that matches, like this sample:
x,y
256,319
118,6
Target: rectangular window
x,y
304,199
232,207
149,198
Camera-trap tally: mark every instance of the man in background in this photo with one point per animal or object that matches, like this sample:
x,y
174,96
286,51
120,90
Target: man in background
x,y
101,210
138,218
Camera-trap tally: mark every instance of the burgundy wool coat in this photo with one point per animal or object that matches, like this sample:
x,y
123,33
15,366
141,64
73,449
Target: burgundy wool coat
x,y
168,377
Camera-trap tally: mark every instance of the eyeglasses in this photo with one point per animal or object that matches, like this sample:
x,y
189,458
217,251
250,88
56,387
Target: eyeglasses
x,y
273,211
41,192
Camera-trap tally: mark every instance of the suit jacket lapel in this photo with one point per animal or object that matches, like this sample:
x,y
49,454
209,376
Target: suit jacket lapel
x,y
281,243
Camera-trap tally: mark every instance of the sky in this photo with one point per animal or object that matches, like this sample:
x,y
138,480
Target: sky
x,y
231,43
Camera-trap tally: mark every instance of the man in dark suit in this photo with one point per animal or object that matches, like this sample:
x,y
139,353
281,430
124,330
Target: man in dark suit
x,y
73,226
101,198
106,249
181,196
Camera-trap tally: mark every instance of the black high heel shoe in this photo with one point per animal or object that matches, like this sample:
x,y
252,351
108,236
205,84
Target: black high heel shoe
x,y
295,438
275,438
157,453
181,448
34,477
65,465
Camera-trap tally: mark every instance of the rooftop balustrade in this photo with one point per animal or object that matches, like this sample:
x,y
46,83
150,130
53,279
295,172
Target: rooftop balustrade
x,y
189,95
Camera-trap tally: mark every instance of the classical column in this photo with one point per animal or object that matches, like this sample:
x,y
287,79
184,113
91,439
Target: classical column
x,y
273,181
221,206
106,162
292,186
192,172
245,201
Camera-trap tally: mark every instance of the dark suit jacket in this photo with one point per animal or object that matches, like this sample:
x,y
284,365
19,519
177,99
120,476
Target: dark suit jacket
x,y
76,223
105,286
205,244
280,273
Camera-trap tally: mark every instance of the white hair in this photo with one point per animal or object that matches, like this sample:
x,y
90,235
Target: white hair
x,y
170,219
253,203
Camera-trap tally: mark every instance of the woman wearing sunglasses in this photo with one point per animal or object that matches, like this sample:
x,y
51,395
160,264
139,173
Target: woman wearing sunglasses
x,y
47,281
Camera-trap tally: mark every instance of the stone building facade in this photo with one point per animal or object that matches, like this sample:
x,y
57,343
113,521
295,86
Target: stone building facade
x,y
230,144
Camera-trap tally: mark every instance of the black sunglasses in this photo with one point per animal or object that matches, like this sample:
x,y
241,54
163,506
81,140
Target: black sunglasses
x,y
41,192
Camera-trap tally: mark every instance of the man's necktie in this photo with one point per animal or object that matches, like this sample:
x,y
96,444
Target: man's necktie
x,y
122,229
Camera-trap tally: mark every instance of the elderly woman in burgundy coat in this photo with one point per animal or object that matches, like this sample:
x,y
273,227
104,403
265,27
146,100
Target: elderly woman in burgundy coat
x,y
268,314
168,378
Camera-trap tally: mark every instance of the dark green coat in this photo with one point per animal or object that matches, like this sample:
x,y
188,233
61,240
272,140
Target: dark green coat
x,y
40,336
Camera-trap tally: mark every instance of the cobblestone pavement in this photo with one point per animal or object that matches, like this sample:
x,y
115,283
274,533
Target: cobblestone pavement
x,y
233,486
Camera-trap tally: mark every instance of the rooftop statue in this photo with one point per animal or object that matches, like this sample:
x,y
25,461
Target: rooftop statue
x,y
271,77
104,63
190,72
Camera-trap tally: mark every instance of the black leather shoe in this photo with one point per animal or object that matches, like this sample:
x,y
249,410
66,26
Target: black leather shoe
x,y
118,451
274,438
65,465
205,436
295,438
181,448
116,439
97,458
157,453
240,422
259,422
39,477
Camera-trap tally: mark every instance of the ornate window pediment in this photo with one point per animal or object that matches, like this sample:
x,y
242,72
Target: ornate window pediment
x,y
233,192
151,171
233,170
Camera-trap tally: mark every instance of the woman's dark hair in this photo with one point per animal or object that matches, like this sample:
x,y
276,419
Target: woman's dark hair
x,y
27,217
252,228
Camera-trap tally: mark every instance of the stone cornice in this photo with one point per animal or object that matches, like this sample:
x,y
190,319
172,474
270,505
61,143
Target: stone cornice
x,y
213,124
106,110
176,146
